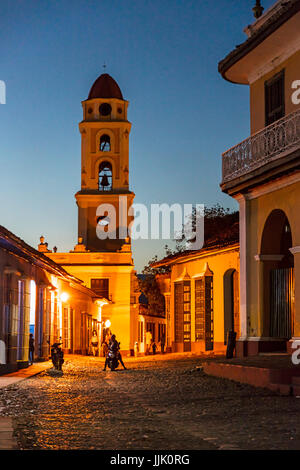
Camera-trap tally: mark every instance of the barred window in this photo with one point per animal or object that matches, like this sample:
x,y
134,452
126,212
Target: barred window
x,y
182,312
204,311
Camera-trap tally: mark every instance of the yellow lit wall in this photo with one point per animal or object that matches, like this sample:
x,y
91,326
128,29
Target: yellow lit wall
x,y
219,262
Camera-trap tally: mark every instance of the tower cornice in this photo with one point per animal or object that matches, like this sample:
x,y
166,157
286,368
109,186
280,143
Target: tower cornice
x,y
101,124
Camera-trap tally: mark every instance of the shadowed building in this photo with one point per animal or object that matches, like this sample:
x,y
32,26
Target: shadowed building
x,y
38,296
150,320
263,174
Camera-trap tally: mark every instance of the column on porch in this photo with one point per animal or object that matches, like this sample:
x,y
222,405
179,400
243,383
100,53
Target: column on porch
x,y
243,209
296,252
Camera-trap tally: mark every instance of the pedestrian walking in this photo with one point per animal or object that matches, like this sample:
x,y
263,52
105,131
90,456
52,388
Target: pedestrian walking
x,y
104,349
154,347
148,341
94,343
105,345
31,349
162,343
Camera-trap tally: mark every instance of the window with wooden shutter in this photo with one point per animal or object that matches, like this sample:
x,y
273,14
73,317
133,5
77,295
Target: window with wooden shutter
x,y
100,287
204,311
200,309
178,312
274,98
183,314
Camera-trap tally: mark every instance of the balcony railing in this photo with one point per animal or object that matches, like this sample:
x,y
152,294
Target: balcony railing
x,y
267,145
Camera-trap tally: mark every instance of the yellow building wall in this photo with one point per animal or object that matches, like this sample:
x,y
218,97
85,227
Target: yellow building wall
x,y
287,199
118,269
257,91
219,263
79,302
118,312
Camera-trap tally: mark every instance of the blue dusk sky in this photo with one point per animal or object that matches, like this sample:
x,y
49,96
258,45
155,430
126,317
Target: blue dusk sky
x,y
164,56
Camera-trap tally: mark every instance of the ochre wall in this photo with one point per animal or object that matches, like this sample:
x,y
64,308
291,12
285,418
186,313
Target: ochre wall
x,y
257,92
219,263
119,310
287,199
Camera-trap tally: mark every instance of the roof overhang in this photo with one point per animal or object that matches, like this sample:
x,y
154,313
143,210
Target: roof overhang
x,y
274,42
197,254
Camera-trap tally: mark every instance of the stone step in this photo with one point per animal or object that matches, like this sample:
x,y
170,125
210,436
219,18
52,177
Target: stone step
x,y
7,440
283,389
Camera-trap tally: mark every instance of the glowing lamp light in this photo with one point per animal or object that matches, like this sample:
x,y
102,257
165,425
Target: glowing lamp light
x,y
107,324
64,297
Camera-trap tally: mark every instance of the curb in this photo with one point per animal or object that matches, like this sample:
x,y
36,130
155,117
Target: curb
x,y
22,374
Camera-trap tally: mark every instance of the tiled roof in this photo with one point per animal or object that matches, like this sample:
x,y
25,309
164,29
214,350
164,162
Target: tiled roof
x,y
105,87
13,244
218,242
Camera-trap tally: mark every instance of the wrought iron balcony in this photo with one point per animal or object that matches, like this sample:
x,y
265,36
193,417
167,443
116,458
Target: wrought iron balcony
x,y
272,143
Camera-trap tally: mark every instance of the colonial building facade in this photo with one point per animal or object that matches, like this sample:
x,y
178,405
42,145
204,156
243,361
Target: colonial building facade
x,y
38,296
202,304
263,174
103,258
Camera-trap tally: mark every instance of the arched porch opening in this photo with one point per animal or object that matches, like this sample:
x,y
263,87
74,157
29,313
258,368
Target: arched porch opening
x,y
277,277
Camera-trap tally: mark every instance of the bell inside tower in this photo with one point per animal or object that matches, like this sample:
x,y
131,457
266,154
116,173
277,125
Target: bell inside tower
x,y
105,176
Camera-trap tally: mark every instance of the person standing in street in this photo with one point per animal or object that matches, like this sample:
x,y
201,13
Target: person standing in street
x,y
105,345
162,343
148,341
94,343
31,349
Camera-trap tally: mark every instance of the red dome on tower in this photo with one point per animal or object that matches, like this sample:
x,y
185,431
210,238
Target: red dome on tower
x,y
105,87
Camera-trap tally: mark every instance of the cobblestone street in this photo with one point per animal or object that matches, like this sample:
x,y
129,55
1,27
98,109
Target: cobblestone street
x,y
155,404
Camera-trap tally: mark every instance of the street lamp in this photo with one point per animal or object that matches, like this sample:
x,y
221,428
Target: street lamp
x,y
64,297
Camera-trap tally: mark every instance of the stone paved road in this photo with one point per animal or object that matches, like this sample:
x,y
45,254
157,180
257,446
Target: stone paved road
x,y
154,405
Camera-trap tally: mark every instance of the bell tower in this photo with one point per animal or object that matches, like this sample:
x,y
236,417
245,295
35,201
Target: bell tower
x,y
104,264
104,168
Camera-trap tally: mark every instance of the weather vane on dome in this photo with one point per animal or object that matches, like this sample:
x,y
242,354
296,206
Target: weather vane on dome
x,y
104,66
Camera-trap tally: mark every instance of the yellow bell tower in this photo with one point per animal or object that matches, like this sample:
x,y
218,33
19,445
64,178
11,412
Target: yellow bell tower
x,y
104,164
105,264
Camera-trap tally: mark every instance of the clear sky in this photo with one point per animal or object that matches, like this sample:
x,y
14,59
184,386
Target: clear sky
x,y
164,56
